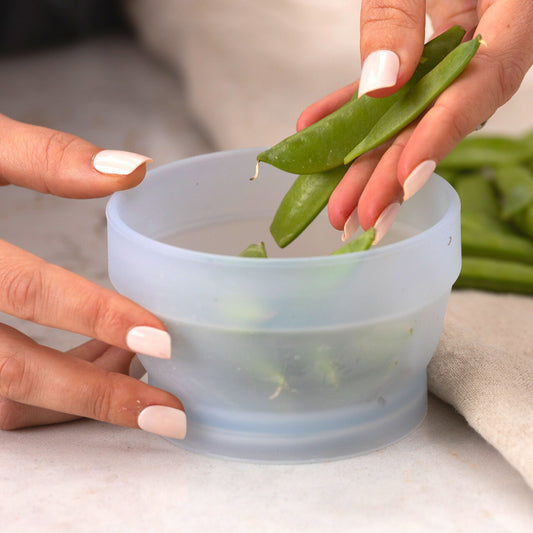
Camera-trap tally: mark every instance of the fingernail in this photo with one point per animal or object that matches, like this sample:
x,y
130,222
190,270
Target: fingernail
x,y
385,220
419,175
351,225
118,162
379,70
149,341
163,420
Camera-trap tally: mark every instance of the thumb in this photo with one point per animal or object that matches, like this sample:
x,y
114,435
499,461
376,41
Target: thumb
x,y
58,163
392,40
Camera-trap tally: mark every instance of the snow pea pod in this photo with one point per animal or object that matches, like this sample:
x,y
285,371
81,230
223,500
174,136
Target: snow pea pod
x,y
495,244
323,145
254,250
361,243
417,98
515,185
495,275
477,195
524,221
305,199
487,151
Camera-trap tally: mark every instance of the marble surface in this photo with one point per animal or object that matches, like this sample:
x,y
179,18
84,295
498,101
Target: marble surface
x,y
90,476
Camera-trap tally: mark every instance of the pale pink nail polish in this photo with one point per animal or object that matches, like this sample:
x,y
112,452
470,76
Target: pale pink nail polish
x,y
351,225
149,341
163,420
385,220
416,179
118,162
379,70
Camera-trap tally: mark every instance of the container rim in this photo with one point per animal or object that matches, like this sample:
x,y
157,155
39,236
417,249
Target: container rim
x,y
153,245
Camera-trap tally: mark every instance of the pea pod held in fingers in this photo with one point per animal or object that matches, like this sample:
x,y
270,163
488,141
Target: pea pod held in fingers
x,y
324,144
417,98
305,199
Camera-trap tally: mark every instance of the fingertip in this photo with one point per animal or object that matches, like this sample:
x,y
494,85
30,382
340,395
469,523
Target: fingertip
x,y
379,71
119,162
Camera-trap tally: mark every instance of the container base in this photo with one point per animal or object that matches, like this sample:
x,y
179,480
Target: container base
x,y
315,437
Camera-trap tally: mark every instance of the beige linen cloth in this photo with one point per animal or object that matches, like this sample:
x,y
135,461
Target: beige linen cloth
x,y
483,366
250,67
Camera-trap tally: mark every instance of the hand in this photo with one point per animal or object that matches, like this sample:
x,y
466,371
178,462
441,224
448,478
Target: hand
x,y
392,38
39,385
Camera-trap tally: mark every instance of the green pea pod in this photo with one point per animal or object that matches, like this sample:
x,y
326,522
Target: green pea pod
x,y
495,275
323,145
479,222
361,243
515,185
495,244
477,195
417,98
254,250
524,221
305,199
487,151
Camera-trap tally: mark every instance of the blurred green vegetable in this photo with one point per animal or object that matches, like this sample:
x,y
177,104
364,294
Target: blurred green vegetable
x,y
493,176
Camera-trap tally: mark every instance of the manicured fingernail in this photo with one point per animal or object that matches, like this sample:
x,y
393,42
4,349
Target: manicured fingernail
x,y
379,70
351,225
419,175
118,162
149,341
385,220
163,420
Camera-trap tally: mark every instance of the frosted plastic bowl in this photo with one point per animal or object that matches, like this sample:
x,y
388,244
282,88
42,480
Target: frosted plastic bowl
x,y
283,359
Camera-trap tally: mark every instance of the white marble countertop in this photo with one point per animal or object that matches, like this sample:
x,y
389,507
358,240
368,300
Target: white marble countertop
x,y
90,476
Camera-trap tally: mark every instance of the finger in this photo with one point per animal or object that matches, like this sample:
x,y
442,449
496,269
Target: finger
x,y
35,290
344,199
325,106
42,377
15,415
392,40
53,162
444,15
491,78
381,199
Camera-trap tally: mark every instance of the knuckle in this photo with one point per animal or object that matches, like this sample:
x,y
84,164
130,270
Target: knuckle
x,y
505,75
103,402
456,125
14,380
22,289
510,74
403,14
55,147
9,415
105,317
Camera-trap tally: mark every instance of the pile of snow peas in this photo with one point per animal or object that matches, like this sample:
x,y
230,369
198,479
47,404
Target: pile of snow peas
x,y
493,175
321,153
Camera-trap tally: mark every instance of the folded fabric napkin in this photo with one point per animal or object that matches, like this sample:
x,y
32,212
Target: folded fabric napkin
x,y
483,366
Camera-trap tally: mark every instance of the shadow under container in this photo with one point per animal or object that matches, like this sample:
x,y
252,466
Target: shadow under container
x,y
284,360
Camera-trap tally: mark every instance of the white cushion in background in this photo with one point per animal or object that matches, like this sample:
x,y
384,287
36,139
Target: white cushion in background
x,y
252,66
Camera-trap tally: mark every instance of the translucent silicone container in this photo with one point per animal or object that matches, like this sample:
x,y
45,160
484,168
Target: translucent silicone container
x,y
285,359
